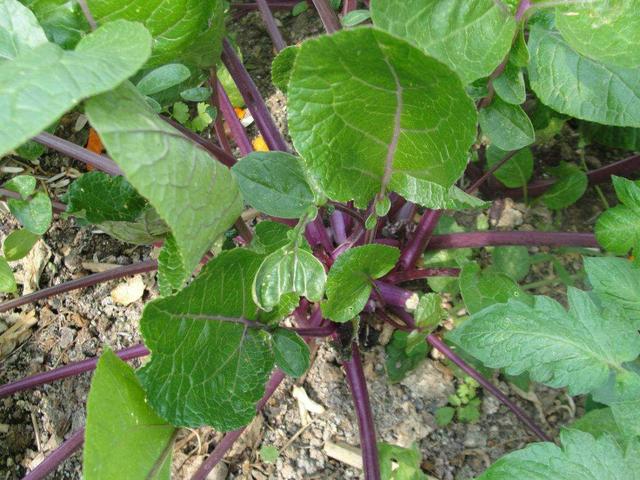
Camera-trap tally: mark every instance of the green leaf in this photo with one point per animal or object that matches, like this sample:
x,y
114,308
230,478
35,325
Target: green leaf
x,y
196,94
34,214
355,17
577,349
444,415
124,437
432,195
519,55
581,457
571,184
354,151
517,171
270,236
397,463
51,81
598,423
274,183
617,137
171,273
18,244
175,25
19,30
7,281
163,78
194,194
299,8
507,126
606,31
513,261
481,289
282,66
208,367
291,353
398,362
470,413
471,38
509,85
616,280
623,396
577,86
269,454
62,20
350,279
292,269
618,228
25,185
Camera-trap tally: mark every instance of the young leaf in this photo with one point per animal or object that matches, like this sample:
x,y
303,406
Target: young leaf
x,y
163,78
51,81
18,244
407,462
196,94
471,38
350,279
571,185
124,437
616,280
598,423
207,366
354,151
19,30
193,193
269,454
605,31
513,261
355,17
432,195
580,457
7,280
444,415
292,269
618,229
574,85
171,273
175,25
25,185
577,349
507,126
509,85
271,236
398,362
481,289
291,353
274,183
63,21
517,171
282,66
35,214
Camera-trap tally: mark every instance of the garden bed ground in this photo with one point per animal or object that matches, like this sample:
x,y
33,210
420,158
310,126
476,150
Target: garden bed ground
x,y
77,325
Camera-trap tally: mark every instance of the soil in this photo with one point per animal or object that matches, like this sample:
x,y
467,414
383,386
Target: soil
x,y
79,324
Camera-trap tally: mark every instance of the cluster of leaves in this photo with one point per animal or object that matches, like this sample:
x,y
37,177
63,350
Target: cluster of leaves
x,y
391,109
464,404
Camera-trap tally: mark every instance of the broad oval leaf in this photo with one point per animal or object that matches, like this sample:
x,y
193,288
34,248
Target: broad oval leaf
x,y
618,230
581,457
18,244
470,36
207,366
578,86
292,269
507,126
509,85
274,183
367,109
175,25
516,171
7,280
291,352
19,30
51,81
577,349
34,214
192,192
481,289
571,184
163,78
62,20
124,437
350,279
25,185
607,31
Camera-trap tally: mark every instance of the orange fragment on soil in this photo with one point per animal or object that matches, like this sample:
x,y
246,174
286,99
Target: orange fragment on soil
x,y
240,112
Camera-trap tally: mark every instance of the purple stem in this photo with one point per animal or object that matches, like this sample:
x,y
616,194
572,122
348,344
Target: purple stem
x,y
349,6
218,125
316,332
420,273
485,239
437,343
316,234
328,16
270,22
277,4
238,132
58,207
396,296
360,395
523,6
87,281
75,368
338,227
101,162
411,253
476,185
59,455
252,98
